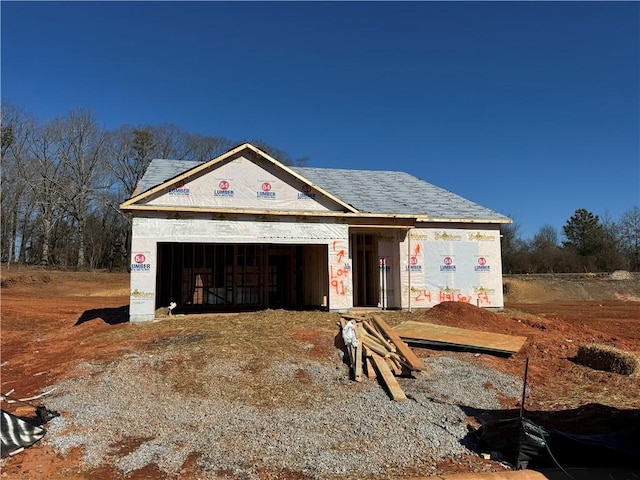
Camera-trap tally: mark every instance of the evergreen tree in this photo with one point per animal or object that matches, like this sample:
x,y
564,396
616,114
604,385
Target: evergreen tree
x,y
583,233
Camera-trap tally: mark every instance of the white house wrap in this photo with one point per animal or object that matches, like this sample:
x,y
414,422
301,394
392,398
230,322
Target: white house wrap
x,y
243,231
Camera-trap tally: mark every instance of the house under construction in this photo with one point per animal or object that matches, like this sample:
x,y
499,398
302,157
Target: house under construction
x,y
243,231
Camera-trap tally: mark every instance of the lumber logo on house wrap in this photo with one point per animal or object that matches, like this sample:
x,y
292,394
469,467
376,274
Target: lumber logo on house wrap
x,y
140,263
266,191
414,264
414,259
179,189
306,193
482,266
448,264
223,190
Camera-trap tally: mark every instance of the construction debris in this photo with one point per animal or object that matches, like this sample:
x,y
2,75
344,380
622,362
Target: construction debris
x,y
19,432
375,348
422,333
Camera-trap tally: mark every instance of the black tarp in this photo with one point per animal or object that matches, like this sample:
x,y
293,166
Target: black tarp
x,y
22,432
524,444
518,440
17,433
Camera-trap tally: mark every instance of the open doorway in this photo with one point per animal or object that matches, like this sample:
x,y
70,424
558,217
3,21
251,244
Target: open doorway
x,y
366,277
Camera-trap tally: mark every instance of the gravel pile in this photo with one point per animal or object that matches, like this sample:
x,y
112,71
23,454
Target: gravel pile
x,y
300,416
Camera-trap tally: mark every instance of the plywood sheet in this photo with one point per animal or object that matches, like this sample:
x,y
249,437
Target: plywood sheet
x,y
442,335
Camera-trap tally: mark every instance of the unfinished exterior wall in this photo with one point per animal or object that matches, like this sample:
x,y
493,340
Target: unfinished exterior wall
x,y
242,183
451,264
148,232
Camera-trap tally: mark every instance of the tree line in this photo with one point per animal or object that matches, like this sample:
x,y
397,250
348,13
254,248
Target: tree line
x,y
63,180
587,244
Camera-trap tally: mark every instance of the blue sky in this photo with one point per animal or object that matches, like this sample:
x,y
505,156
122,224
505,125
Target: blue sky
x,y
531,109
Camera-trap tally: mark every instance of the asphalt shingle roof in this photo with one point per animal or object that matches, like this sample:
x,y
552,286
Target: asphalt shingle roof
x,y
160,170
370,191
389,192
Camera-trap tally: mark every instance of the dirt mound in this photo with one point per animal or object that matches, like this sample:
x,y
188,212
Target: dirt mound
x,y
553,339
459,314
563,287
8,281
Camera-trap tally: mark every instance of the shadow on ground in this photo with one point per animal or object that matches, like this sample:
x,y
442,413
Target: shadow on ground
x,y
110,316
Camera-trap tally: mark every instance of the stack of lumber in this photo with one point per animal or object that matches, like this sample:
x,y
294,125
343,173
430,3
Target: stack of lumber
x,y
376,350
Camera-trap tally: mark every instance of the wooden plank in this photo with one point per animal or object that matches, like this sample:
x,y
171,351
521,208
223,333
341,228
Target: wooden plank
x,y
374,332
400,361
353,317
402,348
375,346
387,378
442,335
371,373
357,369
396,369
376,341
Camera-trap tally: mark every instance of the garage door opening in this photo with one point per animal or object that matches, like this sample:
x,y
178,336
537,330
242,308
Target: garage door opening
x,y
207,277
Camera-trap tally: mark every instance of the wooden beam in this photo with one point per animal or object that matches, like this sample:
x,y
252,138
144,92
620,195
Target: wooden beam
x,y
371,373
357,368
374,332
402,348
375,346
396,369
354,317
382,219
387,378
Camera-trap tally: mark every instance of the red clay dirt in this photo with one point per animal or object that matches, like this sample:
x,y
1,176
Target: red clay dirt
x,y
52,321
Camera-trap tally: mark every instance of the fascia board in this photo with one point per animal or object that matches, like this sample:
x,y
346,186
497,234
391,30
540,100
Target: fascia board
x,y
423,219
160,208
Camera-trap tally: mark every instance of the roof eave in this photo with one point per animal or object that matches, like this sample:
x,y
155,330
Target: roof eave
x,y
425,219
169,208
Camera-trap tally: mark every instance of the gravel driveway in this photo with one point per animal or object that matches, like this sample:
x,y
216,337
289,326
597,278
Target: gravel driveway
x,y
293,415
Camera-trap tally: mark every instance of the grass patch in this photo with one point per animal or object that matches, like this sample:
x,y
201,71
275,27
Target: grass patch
x,y
608,359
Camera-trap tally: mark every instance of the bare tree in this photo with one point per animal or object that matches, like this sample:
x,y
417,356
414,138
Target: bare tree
x,y
280,155
169,142
545,250
16,207
515,251
129,150
46,181
82,152
629,232
202,148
